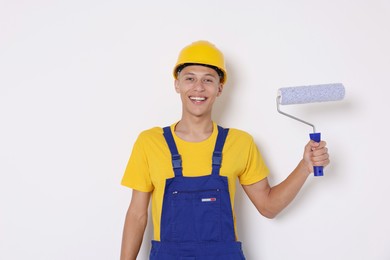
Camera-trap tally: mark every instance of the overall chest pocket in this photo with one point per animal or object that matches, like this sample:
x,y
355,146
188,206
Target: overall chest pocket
x,y
197,215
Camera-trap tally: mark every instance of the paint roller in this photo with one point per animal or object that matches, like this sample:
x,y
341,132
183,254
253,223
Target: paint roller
x,y
310,94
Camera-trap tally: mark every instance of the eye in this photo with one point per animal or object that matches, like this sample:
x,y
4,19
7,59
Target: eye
x,y
208,80
189,79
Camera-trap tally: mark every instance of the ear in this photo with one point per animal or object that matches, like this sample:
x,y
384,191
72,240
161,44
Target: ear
x,y
177,87
220,88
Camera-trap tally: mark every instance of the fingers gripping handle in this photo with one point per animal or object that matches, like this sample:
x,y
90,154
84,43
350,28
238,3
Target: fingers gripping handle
x,y
318,170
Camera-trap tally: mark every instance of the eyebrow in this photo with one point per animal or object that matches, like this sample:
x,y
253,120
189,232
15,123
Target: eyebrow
x,y
194,74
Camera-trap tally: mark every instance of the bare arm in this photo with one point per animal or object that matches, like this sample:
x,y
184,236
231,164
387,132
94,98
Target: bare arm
x,y
269,201
135,224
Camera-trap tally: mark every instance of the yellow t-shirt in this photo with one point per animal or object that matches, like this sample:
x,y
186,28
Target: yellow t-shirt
x,y
150,164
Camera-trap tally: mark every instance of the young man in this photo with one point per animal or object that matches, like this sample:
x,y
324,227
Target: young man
x,y
189,170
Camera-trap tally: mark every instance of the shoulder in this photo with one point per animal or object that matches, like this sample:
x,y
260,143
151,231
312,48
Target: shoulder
x,y
150,139
241,135
151,135
151,132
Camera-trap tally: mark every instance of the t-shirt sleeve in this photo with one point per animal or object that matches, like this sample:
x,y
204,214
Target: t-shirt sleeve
x,y
256,169
137,174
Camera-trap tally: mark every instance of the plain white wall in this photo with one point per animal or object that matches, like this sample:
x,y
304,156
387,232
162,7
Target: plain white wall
x,y
80,79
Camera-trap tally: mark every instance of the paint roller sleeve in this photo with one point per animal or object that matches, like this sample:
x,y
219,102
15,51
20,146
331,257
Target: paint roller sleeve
x,y
311,94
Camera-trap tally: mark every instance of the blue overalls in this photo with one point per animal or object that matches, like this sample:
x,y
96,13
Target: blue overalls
x,y
197,218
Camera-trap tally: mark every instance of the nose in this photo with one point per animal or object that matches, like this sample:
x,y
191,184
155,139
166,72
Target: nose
x,y
199,85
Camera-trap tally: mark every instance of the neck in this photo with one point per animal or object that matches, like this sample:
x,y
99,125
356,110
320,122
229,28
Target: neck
x,y
195,130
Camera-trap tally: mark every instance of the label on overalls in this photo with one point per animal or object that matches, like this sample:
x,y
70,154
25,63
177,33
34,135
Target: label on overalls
x,y
209,199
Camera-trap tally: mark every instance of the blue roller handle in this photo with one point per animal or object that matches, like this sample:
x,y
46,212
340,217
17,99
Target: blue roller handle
x,y
318,170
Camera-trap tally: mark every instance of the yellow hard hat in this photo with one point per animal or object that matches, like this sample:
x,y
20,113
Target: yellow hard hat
x,y
202,53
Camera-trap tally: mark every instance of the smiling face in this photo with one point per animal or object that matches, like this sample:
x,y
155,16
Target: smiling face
x,y
198,87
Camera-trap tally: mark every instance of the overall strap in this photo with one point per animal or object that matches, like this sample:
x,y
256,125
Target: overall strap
x,y
217,154
176,158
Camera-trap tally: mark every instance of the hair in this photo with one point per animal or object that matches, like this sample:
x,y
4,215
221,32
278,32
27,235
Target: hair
x,y
219,72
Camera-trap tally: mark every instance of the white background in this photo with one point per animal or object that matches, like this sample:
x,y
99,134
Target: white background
x,y
80,79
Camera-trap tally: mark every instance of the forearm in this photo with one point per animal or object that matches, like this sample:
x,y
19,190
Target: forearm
x,y
271,201
281,195
133,232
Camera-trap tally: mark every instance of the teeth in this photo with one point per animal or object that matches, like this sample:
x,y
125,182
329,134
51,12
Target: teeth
x,y
198,98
